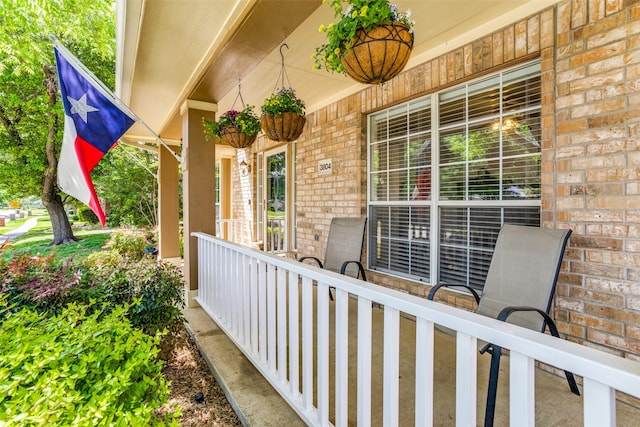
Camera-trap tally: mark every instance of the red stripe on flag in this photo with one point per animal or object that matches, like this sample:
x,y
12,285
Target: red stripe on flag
x,y
88,155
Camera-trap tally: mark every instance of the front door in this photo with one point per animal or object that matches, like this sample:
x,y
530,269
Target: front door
x,y
275,201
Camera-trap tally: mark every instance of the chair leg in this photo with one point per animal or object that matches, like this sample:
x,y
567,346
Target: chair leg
x,y
492,391
572,383
330,294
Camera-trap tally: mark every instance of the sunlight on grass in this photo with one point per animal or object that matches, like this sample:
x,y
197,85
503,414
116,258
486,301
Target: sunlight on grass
x,y
38,241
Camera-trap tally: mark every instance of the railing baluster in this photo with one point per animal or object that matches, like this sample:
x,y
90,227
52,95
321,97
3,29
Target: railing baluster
x,y
342,357
599,404
271,316
424,372
466,366
391,366
281,305
364,362
522,391
323,353
253,279
246,299
294,342
262,314
307,343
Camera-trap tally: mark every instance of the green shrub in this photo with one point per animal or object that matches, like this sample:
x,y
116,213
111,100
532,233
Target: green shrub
x,y
47,286
79,369
41,283
129,243
86,214
159,287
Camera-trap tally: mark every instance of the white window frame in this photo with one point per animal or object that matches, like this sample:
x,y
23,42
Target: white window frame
x,y
435,204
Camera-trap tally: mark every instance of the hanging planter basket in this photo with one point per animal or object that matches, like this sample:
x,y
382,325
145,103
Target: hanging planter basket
x,y
230,135
285,127
379,54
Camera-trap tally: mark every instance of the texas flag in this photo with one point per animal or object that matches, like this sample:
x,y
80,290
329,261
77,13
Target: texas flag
x,y
93,123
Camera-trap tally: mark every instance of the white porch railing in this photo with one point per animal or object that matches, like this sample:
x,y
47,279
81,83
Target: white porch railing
x,y
268,306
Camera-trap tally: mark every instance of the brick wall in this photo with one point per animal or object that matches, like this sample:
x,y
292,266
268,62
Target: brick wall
x,y
597,112
590,57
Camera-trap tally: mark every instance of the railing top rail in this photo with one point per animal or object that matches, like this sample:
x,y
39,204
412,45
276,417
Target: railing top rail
x,y
613,371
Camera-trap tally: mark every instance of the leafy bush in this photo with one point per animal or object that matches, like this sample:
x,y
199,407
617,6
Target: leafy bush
x,y
129,243
41,283
86,214
158,287
111,278
79,369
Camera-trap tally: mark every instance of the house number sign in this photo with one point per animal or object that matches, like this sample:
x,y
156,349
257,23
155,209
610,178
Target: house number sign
x,y
325,167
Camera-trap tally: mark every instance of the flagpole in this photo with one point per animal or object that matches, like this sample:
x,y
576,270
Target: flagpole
x,y
107,92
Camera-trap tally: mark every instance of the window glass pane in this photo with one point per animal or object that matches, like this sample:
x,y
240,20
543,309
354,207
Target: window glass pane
x,y
521,133
468,236
453,182
378,236
488,150
378,186
378,157
420,117
453,107
378,128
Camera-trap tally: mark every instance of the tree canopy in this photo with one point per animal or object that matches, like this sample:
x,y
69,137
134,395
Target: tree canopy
x,y
31,114
87,28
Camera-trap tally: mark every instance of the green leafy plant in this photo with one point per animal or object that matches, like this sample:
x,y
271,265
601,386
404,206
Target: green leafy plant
x,y
123,275
129,243
359,15
281,101
246,121
157,287
87,215
79,369
41,283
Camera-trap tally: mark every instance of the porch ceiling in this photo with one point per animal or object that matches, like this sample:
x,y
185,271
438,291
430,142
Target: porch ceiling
x,y
170,50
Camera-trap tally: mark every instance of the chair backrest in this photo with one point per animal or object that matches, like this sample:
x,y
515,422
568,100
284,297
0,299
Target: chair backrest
x,y
523,272
344,244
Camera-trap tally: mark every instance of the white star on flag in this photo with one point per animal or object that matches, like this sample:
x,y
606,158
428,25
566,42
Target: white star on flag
x,y
80,106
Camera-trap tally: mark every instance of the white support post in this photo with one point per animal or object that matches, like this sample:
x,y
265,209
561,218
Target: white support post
x,y
599,404
307,343
364,362
342,357
281,305
391,363
424,372
323,353
271,316
466,367
294,341
522,407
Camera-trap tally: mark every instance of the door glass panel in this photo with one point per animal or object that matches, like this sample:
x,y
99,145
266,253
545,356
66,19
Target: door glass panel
x,y
276,193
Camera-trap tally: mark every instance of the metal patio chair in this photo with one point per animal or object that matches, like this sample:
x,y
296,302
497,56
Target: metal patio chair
x,y
344,248
519,289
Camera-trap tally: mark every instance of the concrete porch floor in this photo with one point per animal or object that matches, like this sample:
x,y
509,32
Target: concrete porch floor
x,y
258,404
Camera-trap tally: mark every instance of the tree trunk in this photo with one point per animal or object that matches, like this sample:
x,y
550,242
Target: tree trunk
x,y
62,232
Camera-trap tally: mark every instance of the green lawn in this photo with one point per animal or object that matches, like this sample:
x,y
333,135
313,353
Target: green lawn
x,y
38,241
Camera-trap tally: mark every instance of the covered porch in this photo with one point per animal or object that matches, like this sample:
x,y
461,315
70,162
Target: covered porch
x,y
376,356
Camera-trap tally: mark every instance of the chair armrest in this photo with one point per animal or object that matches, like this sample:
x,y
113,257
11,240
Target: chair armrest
x,y
432,292
548,321
312,258
345,264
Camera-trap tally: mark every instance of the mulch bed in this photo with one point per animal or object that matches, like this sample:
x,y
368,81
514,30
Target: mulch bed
x,y
193,387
